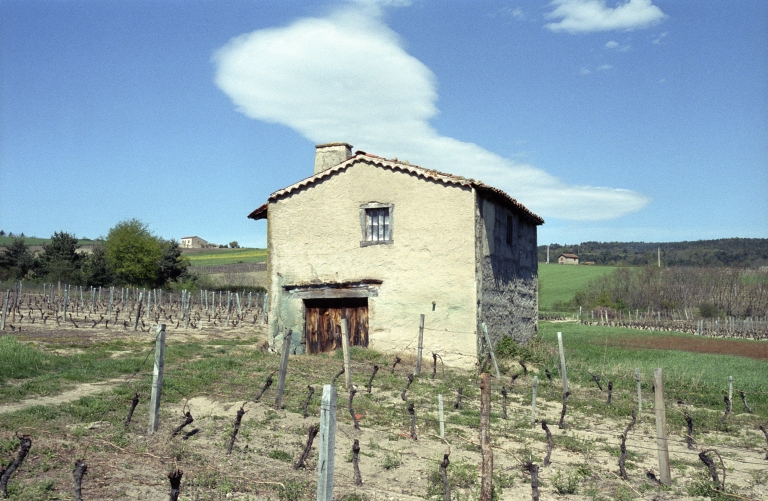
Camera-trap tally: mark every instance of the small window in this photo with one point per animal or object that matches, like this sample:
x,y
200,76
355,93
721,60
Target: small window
x,y
376,222
510,230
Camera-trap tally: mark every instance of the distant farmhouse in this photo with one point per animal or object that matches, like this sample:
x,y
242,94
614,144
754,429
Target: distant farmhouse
x,y
568,259
193,243
380,242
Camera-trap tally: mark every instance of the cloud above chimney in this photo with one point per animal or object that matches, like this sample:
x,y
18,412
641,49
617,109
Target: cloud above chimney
x,y
347,77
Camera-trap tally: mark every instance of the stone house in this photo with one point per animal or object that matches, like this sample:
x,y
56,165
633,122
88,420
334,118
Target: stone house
x,y
568,259
381,242
193,243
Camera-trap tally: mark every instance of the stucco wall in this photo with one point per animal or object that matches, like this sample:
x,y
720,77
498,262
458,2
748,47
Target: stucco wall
x,y
508,273
315,234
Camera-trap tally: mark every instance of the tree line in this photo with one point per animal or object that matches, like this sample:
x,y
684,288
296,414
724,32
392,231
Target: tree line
x,y
713,291
129,255
724,252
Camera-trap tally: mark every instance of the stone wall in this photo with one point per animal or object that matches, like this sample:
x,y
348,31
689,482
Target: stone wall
x,y
508,273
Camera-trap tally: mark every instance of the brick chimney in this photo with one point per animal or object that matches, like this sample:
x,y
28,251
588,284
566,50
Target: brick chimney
x,y
331,154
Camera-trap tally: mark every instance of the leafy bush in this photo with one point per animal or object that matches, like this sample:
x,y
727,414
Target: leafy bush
x,y
392,460
708,309
280,455
293,490
566,483
535,351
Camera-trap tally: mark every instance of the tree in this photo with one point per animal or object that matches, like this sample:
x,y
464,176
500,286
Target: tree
x,y
172,265
60,260
133,253
16,260
96,270
234,245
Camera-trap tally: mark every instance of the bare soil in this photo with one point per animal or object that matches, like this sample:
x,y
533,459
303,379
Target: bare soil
x,y
758,351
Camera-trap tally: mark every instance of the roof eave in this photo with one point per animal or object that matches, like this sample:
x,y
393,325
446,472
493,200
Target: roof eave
x,y
259,213
509,201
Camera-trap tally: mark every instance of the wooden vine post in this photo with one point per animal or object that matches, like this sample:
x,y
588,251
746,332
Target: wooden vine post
x,y
661,427
138,312
421,345
639,394
562,362
283,369
5,308
345,347
490,349
486,482
157,379
441,415
325,460
730,388
533,400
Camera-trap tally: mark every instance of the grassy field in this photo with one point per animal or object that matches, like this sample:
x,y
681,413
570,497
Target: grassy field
x,y
698,378
218,257
558,283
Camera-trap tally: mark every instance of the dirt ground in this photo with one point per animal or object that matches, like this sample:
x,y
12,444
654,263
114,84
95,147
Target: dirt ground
x,y
758,351
132,464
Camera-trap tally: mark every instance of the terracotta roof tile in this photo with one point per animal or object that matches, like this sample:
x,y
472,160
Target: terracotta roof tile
x,y
396,165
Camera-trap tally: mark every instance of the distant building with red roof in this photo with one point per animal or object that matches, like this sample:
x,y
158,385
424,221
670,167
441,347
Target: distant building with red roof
x,y
193,243
568,259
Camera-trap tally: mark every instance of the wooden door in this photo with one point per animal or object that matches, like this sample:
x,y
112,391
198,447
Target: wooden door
x,y
322,323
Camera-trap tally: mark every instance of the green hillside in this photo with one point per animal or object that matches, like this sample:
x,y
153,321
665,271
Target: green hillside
x,y
218,257
559,282
724,252
6,240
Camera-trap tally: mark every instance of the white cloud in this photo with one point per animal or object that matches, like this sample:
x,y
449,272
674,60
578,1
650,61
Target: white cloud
x,y
585,71
346,77
604,67
516,13
613,45
658,39
585,16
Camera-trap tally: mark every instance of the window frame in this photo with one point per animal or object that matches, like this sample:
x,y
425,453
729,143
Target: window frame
x,y
388,238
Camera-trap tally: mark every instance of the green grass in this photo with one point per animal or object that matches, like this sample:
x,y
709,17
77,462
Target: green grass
x,y
220,257
558,282
36,372
696,378
18,360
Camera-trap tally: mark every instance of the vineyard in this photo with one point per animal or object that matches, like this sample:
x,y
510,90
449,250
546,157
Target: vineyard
x,y
679,321
75,392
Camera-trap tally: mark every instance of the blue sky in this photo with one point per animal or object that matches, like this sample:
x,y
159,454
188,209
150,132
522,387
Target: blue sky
x,y
614,121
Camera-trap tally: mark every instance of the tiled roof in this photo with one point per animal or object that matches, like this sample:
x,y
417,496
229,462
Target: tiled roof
x,y
570,256
395,165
